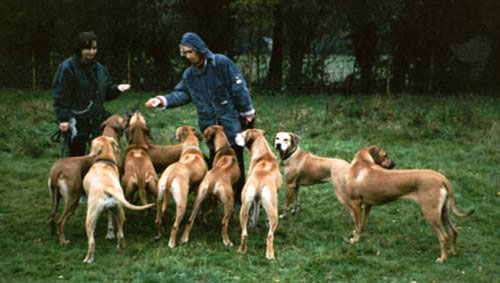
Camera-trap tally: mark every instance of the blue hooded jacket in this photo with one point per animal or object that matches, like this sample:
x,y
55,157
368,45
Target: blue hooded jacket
x,y
219,91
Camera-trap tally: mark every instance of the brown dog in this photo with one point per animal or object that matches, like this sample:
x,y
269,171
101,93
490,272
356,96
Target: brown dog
x,y
178,178
139,174
304,168
219,181
66,176
163,156
262,186
65,181
103,189
370,183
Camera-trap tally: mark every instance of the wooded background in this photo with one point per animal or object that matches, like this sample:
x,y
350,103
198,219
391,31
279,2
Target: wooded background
x,y
431,47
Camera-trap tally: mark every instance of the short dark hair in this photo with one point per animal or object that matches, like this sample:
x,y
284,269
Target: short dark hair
x,y
83,41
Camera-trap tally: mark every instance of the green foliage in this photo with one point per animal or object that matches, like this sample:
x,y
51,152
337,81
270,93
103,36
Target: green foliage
x,y
458,136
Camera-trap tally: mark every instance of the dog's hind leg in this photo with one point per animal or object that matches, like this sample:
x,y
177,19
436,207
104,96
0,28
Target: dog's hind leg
x,y
200,196
180,190
432,214
228,201
110,234
270,204
69,208
451,228
90,224
248,196
118,215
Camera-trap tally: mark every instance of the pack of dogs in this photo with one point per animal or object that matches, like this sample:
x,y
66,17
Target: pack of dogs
x,y
150,173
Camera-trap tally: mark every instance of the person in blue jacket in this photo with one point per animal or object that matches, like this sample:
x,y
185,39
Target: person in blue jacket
x,y
215,85
80,87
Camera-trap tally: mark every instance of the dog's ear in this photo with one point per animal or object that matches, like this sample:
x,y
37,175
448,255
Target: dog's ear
x,y
208,133
295,140
116,148
374,152
197,134
181,133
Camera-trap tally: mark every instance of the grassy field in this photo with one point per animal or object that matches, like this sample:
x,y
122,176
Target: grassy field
x,y
458,136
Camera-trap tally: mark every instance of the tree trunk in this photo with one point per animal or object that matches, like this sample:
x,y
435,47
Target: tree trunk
x,y
275,71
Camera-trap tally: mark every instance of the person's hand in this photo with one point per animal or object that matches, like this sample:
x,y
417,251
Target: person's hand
x,y
153,102
123,87
64,126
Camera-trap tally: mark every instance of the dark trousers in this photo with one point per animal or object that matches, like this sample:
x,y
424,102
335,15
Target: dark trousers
x,y
77,148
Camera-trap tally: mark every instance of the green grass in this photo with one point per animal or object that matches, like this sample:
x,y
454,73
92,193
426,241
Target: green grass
x,y
458,136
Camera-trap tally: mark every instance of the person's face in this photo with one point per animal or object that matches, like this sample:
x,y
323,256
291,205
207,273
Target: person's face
x,y
191,55
88,54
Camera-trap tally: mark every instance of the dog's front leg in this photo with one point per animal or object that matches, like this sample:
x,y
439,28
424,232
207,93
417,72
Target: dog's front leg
x,y
289,197
356,215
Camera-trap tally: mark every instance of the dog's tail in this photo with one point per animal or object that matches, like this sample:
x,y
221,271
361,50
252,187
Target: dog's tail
x,y
165,190
54,197
453,205
123,201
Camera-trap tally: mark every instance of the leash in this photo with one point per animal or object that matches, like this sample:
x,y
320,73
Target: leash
x,y
62,139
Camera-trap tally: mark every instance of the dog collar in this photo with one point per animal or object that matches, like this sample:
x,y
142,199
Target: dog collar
x,y
222,149
191,147
106,160
284,158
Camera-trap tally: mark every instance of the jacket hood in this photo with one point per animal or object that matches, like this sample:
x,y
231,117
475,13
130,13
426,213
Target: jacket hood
x,y
194,41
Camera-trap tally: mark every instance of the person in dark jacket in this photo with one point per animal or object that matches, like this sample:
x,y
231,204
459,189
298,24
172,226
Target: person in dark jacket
x,y
80,87
215,85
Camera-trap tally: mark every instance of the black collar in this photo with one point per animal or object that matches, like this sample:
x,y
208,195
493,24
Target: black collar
x,y
106,160
285,157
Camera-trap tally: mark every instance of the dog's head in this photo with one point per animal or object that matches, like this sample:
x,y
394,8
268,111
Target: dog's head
x,y
285,142
210,132
380,157
184,132
104,145
247,137
116,123
137,129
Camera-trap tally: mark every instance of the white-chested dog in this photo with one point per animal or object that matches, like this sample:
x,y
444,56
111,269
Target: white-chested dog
x,y
304,168
103,189
262,186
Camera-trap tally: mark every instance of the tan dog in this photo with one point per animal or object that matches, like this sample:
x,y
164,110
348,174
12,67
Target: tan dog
x,y
219,181
66,176
262,186
370,183
304,168
178,178
139,174
103,189
114,126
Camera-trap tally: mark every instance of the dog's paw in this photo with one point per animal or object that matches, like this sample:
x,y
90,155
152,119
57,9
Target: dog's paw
x,y
227,243
171,244
283,216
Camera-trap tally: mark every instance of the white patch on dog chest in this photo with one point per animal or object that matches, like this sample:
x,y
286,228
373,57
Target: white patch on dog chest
x,y
361,175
